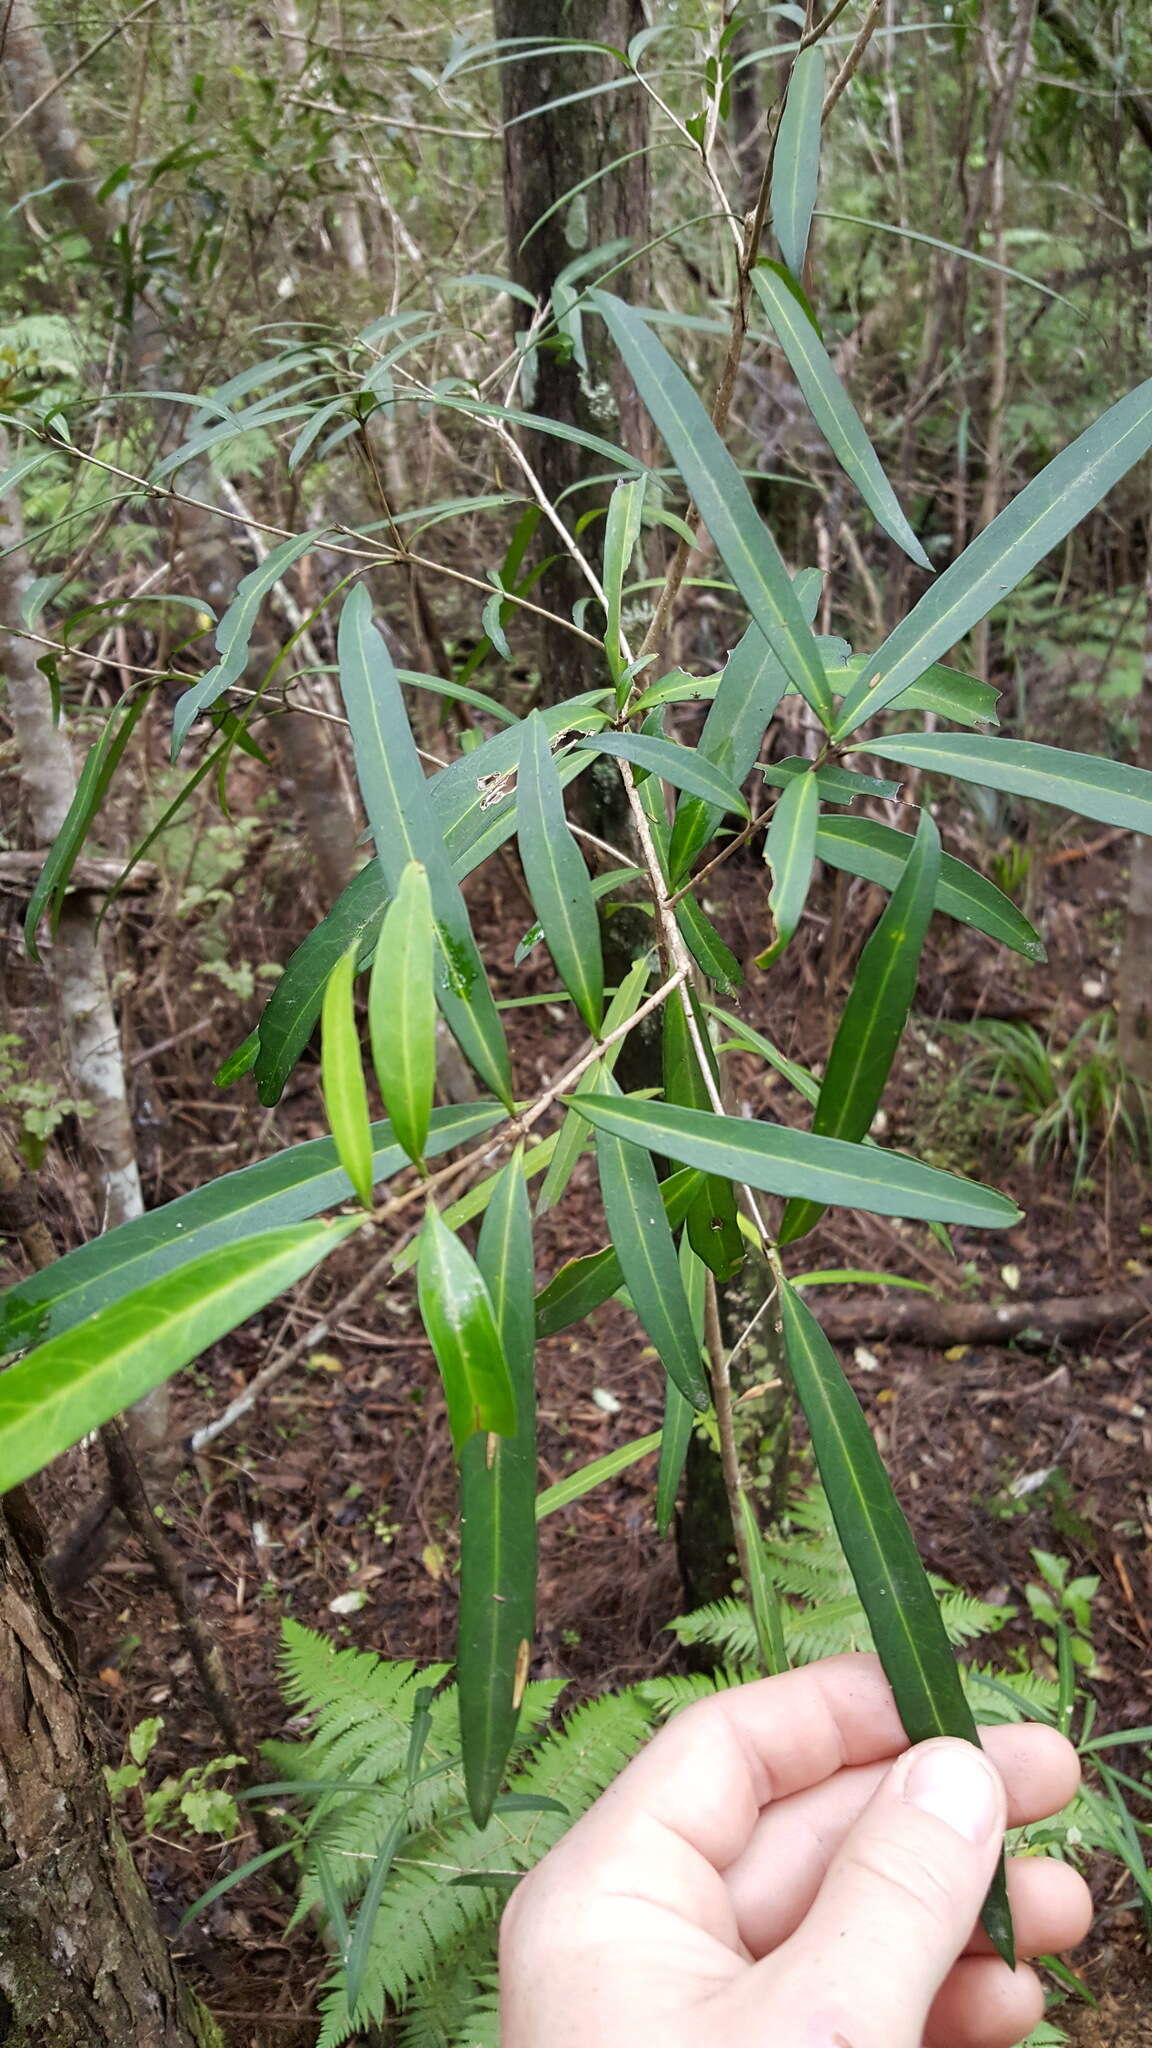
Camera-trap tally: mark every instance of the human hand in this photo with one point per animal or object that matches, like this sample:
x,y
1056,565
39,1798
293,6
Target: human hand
x,y
778,1870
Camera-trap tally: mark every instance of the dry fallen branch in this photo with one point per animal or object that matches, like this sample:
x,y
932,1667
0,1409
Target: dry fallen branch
x,y
940,1323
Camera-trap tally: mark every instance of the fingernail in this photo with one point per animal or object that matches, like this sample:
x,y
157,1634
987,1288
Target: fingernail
x,y
956,1784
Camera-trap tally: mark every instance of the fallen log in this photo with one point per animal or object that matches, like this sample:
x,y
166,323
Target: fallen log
x,y
915,1319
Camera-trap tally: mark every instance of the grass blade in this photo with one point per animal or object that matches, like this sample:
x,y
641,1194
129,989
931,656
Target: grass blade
x,y
577,1484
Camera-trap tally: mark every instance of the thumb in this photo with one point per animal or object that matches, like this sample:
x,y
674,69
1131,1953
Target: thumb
x,y
902,1895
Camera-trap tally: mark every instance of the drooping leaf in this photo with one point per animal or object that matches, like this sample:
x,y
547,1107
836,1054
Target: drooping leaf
x,y
796,164
498,1513
92,787
721,497
405,828
826,398
873,1018
679,765
1111,791
557,876
288,1188
790,850
879,853
582,1284
998,559
782,1161
713,1231
902,1609
402,1009
458,1315
342,1078
638,1227
234,633
51,1398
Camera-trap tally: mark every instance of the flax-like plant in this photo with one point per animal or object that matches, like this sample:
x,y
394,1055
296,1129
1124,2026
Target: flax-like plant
x,y
106,1323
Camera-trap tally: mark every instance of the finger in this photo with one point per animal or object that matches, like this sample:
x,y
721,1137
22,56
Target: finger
x,y
983,2005
777,1876
900,1897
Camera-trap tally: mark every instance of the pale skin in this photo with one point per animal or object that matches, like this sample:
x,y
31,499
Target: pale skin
x,y
777,1869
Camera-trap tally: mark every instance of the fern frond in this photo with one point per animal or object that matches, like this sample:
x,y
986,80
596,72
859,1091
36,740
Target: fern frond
x,y
1002,1696
666,1695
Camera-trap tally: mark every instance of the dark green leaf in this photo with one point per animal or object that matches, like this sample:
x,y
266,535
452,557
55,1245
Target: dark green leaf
x,y
790,850
402,1009
763,1597
879,853
826,398
360,1944
638,1227
679,765
79,1380
998,559
712,1227
342,1078
288,1188
557,877
786,1162
1111,791
675,1438
721,497
573,1134
234,632
582,1284
946,691
460,1320
796,163
498,1513
706,946
602,885
405,828
237,1063
92,787
876,1012
895,1593
835,785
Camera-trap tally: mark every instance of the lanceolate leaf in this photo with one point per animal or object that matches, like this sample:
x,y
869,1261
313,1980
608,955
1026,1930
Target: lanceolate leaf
x,y
1111,791
621,533
287,1188
707,947
790,850
342,1078
402,1010
585,1481
786,1162
498,1513
873,1019
796,164
721,497
582,1284
878,852
639,1230
675,1438
54,1396
557,877
893,1586
460,1320
713,1231
999,558
836,785
946,691
91,788
404,827
234,633
573,1134
827,400
679,765
762,1594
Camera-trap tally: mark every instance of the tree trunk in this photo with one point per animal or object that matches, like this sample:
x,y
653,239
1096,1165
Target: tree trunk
x,y
545,157
82,1961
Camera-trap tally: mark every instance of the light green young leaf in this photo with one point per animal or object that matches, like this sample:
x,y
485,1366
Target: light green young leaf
x,y
876,1012
790,850
498,1513
862,846
234,632
567,1491
894,1589
682,766
721,497
827,400
1036,521
557,877
1111,791
405,828
79,1380
621,533
457,1312
402,1009
342,1077
796,163
782,1161
638,1227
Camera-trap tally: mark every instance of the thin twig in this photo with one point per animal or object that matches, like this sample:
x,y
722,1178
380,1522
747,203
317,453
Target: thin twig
x,y
70,70
851,64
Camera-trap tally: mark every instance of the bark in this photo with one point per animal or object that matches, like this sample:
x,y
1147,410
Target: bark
x,y
544,158
67,159
82,1961
1134,980
916,1320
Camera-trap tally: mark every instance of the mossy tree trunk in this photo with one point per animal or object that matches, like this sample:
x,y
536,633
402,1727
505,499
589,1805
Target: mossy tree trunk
x,y
83,1963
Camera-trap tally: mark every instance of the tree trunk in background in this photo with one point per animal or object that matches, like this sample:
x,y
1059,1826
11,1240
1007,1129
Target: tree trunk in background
x,y
1134,979
544,157
83,1963
29,70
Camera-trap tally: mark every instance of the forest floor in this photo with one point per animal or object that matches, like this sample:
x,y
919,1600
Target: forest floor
x,y
342,1479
